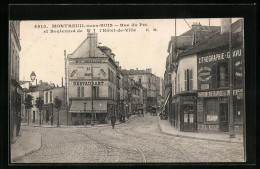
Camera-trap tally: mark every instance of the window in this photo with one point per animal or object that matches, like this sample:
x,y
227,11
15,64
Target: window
x,y
82,91
140,79
46,97
78,91
188,78
95,92
211,113
50,96
223,74
149,80
169,78
220,75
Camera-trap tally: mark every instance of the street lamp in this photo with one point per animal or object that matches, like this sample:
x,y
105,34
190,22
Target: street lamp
x,y
32,76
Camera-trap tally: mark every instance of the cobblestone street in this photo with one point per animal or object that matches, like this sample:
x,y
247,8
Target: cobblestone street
x,y
138,140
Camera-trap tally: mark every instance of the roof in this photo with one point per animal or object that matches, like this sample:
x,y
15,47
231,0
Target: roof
x,y
41,87
216,40
201,28
185,40
135,72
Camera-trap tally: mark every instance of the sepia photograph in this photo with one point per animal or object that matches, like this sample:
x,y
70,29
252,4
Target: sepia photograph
x,y
127,91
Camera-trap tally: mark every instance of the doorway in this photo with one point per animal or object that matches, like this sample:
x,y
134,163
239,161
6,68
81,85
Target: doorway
x,y
223,117
47,116
188,118
33,116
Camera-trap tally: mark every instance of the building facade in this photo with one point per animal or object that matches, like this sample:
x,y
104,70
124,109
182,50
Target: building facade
x,y
201,83
149,81
91,82
15,90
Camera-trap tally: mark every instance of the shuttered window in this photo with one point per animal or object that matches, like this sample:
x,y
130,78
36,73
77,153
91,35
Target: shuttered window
x,y
82,91
190,79
78,91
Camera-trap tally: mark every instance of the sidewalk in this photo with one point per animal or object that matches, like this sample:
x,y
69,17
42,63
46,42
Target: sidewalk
x,y
166,128
26,144
73,126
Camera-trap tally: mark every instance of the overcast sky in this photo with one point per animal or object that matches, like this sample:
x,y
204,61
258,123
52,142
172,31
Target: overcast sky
x,y
43,53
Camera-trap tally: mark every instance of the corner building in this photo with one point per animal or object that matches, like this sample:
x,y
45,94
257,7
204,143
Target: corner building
x,y
91,68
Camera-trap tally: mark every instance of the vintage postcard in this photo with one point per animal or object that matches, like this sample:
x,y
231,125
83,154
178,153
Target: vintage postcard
x,y
127,91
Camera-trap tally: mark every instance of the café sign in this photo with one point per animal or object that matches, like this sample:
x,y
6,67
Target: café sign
x,y
85,83
204,74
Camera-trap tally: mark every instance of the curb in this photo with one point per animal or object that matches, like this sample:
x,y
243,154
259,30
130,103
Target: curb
x,y
198,138
27,153
80,126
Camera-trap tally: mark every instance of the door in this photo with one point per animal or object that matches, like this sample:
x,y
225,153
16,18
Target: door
x,y
33,116
223,117
47,116
188,118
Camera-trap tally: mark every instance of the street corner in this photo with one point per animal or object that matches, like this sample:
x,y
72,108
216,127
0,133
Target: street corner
x,y
28,143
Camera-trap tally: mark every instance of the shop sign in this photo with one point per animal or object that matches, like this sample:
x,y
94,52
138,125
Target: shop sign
x,y
79,71
214,93
204,74
96,83
238,68
220,56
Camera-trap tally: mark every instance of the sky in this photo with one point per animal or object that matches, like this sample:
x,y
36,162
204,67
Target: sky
x,y
43,52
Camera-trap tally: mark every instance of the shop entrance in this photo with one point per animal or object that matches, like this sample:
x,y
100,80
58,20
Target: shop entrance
x,y
188,117
223,117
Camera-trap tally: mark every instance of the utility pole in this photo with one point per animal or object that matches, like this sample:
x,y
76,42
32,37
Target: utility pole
x,y
66,103
92,110
231,99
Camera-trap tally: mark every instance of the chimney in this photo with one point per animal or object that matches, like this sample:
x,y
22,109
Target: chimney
x,y
92,43
149,70
62,82
136,68
195,25
36,82
225,24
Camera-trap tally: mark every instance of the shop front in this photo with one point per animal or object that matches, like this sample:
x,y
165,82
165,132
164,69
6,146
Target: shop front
x,y
183,114
81,111
213,110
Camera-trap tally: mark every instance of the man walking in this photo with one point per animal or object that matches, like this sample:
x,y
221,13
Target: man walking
x,y
113,121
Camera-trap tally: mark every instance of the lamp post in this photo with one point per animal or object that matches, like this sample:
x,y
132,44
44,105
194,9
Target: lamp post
x,y
32,76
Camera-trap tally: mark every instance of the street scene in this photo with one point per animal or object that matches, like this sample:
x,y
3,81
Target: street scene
x,y
127,91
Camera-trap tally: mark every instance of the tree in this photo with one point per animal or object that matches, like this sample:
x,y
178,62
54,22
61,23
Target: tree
x,y
28,104
57,105
39,104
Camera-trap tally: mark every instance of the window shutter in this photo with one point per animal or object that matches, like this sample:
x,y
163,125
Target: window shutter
x,y
82,91
97,91
78,91
190,79
185,79
214,81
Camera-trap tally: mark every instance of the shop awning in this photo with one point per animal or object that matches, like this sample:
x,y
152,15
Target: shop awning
x,y
78,106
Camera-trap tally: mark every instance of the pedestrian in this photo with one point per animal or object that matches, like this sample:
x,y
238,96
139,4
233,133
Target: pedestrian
x,y
51,119
113,121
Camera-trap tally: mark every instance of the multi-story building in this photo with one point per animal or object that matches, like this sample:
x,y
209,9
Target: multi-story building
x,y
212,109
49,113
179,77
91,82
200,83
148,81
16,92
33,115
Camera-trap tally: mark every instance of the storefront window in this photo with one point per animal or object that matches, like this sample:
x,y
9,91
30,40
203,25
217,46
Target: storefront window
x,y
211,113
223,74
238,110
